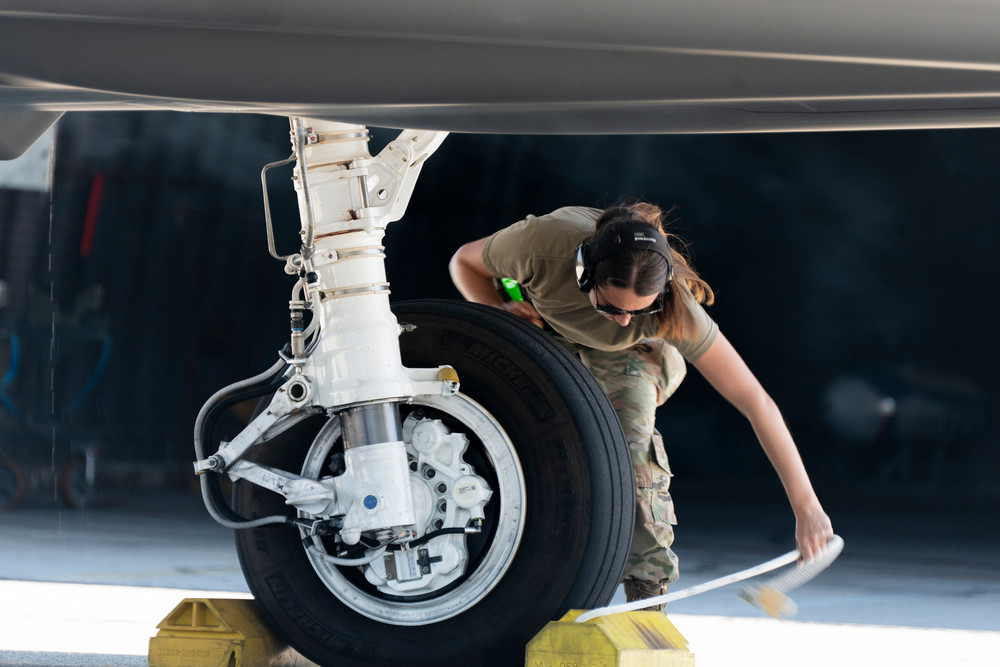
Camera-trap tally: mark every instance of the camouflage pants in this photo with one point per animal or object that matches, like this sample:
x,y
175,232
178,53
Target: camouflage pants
x,y
637,380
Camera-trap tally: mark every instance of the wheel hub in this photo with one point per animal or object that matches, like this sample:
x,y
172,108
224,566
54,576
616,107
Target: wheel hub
x,y
437,577
447,494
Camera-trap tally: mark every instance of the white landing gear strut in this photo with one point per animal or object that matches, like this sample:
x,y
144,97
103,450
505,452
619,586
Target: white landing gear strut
x,y
346,360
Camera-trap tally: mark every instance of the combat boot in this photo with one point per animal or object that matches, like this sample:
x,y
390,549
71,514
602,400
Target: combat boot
x,y
636,589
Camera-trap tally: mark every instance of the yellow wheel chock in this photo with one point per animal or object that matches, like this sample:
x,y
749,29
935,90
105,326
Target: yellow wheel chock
x,y
202,632
630,639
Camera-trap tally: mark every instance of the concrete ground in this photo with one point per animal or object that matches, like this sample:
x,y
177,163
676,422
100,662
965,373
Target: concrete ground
x,y
87,587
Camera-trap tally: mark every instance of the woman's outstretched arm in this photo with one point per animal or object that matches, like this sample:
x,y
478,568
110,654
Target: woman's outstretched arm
x,y
726,371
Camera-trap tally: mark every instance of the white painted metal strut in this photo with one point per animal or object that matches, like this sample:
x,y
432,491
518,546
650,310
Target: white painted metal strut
x,y
346,200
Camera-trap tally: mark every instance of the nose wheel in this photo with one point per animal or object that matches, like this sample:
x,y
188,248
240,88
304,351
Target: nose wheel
x,y
529,451
449,442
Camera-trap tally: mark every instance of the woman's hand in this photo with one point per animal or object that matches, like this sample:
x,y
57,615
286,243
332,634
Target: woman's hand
x,y
812,531
524,310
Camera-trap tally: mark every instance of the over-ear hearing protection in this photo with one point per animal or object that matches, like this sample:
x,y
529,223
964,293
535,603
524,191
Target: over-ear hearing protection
x,y
632,236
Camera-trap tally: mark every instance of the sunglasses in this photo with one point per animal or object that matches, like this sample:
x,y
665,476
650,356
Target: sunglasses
x,y
606,309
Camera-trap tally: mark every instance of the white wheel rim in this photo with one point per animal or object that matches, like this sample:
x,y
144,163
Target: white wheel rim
x,y
491,567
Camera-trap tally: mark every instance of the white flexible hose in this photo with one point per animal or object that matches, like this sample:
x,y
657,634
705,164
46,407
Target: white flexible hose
x,y
770,596
789,580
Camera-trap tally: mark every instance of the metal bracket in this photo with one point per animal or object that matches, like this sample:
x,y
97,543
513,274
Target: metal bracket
x,y
295,396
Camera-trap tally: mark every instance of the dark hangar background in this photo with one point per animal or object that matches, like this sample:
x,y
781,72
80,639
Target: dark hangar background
x,y
855,272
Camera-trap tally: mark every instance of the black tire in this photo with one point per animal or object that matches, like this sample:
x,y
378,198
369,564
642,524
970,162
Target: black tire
x,y
579,514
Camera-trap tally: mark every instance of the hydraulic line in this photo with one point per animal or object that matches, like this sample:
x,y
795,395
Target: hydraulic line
x,y
298,294
333,560
468,530
315,328
218,396
313,332
299,133
211,411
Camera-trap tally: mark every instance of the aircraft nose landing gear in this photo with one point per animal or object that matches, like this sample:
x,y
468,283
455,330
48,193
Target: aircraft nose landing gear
x,y
383,511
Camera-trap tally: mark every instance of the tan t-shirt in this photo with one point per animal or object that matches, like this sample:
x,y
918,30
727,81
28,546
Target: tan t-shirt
x,y
540,254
